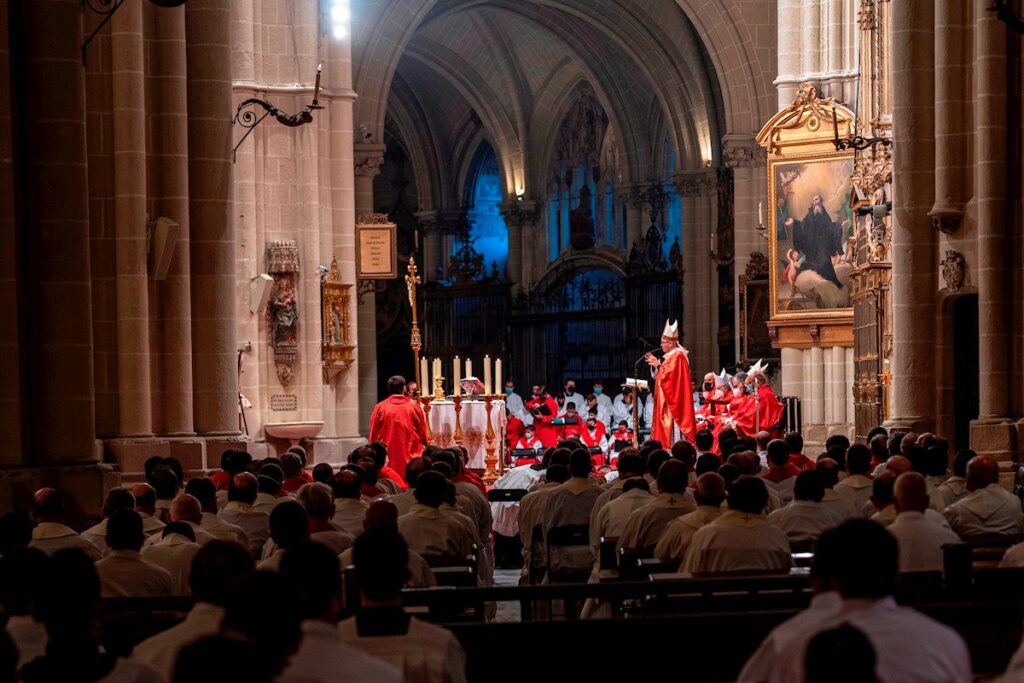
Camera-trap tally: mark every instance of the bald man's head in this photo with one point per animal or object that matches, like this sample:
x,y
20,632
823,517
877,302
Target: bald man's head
x,y
982,471
186,508
47,505
243,488
898,464
829,469
145,498
710,489
910,493
381,514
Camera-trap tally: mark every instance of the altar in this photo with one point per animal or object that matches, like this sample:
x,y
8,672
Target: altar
x,y
463,421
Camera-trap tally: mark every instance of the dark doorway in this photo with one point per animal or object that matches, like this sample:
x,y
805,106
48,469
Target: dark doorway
x,y
965,368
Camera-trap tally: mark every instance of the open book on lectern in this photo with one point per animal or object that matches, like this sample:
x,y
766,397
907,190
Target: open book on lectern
x,y
638,384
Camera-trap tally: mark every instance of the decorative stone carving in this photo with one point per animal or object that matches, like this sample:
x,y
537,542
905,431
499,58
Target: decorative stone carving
x,y
737,154
757,267
946,220
954,270
368,163
866,15
283,311
336,305
700,183
872,168
521,213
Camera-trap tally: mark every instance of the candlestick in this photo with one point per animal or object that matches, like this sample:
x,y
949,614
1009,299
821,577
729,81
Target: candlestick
x,y
499,388
487,375
316,87
490,473
457,390
469,367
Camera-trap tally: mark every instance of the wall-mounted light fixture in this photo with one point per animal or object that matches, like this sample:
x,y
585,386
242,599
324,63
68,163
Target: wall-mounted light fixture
x,y
248,117
107,9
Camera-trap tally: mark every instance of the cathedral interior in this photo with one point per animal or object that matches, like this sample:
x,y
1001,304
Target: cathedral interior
x,y
830,186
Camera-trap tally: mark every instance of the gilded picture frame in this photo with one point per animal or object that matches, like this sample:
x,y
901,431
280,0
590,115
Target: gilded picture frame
x,y
337,339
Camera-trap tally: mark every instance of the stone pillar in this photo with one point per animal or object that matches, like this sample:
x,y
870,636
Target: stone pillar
x,y
368,159
815,383
428,244
809,40
791,42
698,191
521,216
992,433
793,372
841,384
747,160
169,166
128,112
914,258
212,252
52,166
10,366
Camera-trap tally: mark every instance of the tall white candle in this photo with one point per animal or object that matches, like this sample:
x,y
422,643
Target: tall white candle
x,y
469,367
458,377
437,373
424,378
499,387
760,213
487,375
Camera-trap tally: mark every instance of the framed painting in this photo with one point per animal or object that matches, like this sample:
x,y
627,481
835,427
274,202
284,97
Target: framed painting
x,y
810,237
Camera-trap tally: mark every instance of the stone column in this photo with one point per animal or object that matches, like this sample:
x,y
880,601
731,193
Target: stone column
x,y
791,42
10,366
52,167
952,115
368,158
814,408
747,160
829,379
809,40
169,165
793,372
698,191
514,218
128,111
428,244
212,252
841,384
914,258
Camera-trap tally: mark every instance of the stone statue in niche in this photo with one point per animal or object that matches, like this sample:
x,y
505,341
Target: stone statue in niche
x,y
284,313
283,310
581,222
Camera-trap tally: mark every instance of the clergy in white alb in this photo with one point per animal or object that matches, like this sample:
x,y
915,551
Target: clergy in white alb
x,y
349,508
741,540
709,494
51,534
856,487
839,505
805,519
430,531
123,573
204,490
645,525
920,541
174,553
988,508
531,510
238,511
955,488
570,505
117,498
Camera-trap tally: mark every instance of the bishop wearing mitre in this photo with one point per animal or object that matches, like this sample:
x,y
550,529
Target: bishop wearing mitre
x,y
673,398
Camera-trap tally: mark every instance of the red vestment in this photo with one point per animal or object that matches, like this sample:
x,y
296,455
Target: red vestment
x,y
545,432
569,431
292,484
767,406
673,399
399,422
387,472
594,441
221,480
777,474
801,461
514,429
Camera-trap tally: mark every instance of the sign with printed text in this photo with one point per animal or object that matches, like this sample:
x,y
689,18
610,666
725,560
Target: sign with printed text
x,y
376,248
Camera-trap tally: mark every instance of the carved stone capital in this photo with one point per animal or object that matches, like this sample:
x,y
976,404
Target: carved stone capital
x,y
700,183
946,218
743,153
368,159
521,213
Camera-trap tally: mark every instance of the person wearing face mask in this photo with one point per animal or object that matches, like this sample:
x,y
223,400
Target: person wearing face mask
x,y
543,409
603,399
572,421
622,408
514,404
604,415
570,396
593,436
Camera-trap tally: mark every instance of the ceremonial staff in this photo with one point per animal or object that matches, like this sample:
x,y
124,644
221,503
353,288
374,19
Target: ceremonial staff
x,y
411,280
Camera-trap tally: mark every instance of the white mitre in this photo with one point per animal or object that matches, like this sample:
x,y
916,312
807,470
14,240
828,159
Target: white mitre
x,y
671,332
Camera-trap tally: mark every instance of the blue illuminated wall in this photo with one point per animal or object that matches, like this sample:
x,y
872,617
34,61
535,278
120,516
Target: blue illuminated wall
x,y
488,233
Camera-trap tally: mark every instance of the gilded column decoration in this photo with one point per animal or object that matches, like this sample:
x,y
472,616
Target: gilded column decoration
x,y
283,311
336,340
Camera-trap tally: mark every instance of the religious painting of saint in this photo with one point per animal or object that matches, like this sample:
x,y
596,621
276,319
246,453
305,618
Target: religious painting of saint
x,y
811,237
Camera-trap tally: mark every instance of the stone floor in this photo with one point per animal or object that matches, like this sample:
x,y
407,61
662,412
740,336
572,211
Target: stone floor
x,y
507,611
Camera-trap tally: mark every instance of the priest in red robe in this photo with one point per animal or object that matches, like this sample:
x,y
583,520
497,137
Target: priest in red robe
x,y
547,433
399,422
763,412
673,397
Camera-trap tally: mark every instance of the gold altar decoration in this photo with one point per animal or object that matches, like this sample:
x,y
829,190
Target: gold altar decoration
x,y
411,280
336,323
490,460
458,418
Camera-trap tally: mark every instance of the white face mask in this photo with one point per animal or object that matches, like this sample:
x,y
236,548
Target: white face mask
x,y
737,391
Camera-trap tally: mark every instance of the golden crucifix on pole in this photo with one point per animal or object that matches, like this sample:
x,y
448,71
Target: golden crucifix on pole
x,y
411,280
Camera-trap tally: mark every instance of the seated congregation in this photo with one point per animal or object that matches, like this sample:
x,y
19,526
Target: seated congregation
x,y
269,570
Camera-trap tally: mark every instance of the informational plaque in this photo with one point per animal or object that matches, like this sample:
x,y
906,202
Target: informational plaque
x,y
284,402
376,248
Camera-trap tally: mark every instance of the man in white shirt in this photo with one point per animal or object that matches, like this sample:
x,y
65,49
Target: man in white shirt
x,y
645,525
322,656
955,488
570,505
123,573
920,541
145,505
51,534
514,404
709,495
238,511
268,481
289,528
805,518
205,491
215,567
910,647
856,487
422,652
988,508
118,498
318,501
571,396
741,540
22,585
427,529
349,507
173,553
